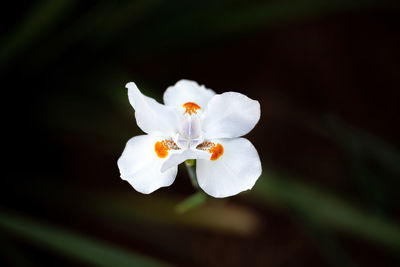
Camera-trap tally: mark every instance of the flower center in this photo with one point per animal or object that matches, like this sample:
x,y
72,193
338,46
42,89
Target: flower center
x,y
191,108
162,147
190,134
217,150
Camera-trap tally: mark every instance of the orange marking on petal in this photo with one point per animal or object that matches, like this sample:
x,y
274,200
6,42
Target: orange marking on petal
x,y
191,108
161,149
217,151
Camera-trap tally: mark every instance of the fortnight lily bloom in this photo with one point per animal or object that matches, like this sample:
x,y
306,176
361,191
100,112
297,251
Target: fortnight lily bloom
x,y
194,123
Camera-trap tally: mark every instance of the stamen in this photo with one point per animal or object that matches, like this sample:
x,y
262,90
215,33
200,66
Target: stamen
x,y
162,147
191,108
216,149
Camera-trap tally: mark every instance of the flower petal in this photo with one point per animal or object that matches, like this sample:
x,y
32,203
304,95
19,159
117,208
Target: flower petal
x,y
187,91
151,116
230,115
235,171
140,166
178,157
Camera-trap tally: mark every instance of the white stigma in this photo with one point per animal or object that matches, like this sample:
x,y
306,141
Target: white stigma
x,y
190,134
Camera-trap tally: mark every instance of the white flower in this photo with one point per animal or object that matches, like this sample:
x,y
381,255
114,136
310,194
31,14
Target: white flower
x,y
194,123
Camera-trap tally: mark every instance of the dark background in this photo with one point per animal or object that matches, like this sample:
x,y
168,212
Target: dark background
x,y
327,75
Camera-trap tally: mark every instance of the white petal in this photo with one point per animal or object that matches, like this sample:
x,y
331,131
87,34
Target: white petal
x,y
235,171
187,91
182,155
140,166
230,115
151,116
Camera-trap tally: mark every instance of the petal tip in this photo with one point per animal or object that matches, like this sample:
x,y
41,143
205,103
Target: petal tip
x,y
182,81
130,85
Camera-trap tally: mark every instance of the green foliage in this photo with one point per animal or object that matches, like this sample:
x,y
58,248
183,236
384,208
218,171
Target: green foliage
x,y
326,210
72,244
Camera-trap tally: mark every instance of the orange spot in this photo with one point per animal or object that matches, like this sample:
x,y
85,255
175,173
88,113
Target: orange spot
x,y
161,149
191,108
217,151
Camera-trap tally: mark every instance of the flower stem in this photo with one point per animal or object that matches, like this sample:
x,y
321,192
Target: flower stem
x,y
196,199
191,168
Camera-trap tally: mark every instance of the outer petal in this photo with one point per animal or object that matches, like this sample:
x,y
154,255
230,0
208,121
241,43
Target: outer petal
x,y
230,115
187,91
235,171
151,116
177,158
140,166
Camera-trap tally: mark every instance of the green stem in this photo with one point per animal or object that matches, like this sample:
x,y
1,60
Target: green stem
x,y
191,168
196,199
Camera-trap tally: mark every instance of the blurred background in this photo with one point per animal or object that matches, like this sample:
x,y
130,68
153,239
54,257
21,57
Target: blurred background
x,y
325,72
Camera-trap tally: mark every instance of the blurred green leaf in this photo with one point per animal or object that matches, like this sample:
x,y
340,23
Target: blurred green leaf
x,y
191,202
12,254
359,142
327,210
282,12
325,242
215,215
40,20
138,26
374,162
71,244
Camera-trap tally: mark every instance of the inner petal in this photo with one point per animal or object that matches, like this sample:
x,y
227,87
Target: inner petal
x,y
191,127
190,133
